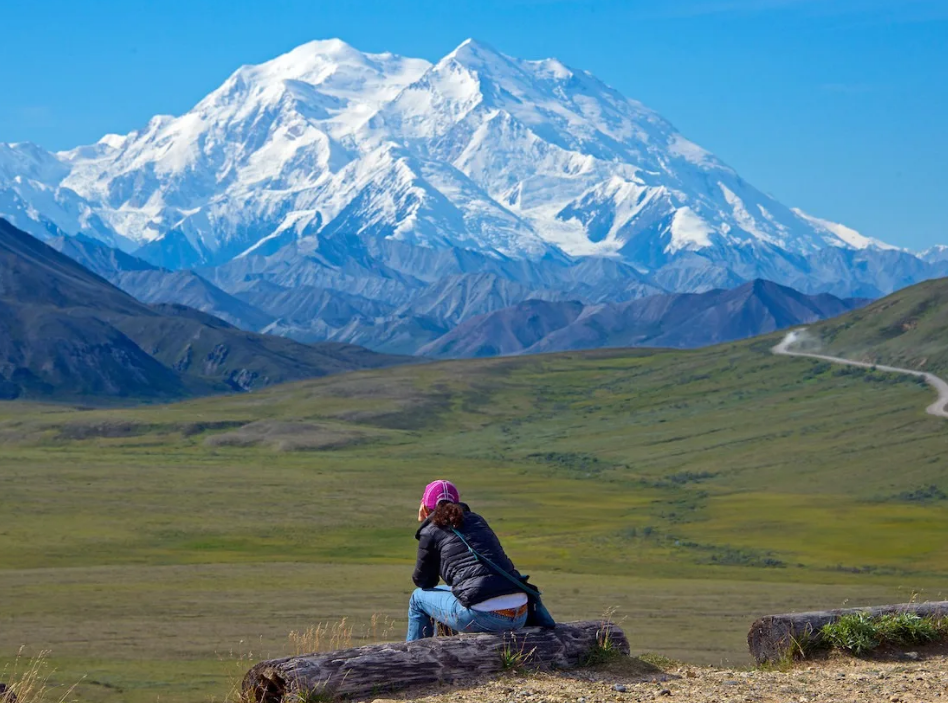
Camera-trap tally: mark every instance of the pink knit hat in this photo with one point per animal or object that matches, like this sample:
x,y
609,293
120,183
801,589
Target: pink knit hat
x,y
439,491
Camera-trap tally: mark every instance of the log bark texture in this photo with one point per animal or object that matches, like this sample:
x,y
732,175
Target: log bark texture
x,y
383,667
771,637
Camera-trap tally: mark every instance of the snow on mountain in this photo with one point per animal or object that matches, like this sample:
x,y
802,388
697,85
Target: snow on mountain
x,y
592,172
248,156
935,254
515,159
33,199
844,234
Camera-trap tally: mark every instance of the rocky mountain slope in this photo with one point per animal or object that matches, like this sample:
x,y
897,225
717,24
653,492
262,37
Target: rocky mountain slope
x,y
376,175
677,320
66,333
473,314
151,284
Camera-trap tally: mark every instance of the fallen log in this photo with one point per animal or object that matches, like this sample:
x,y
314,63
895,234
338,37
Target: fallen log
x,y
770,638
383,667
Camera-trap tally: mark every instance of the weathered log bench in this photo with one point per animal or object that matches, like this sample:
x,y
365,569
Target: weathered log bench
x,y
383,667
770,638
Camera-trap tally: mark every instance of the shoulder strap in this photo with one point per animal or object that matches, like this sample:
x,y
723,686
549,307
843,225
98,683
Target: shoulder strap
x,y
501,572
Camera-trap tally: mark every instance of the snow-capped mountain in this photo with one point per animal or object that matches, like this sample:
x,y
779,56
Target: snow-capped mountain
x,y
935,254
338,165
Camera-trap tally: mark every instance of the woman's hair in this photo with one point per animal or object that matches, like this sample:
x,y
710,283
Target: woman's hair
x,y
448,513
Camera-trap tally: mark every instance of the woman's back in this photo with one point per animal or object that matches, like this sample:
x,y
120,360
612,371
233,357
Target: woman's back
x,y
442,553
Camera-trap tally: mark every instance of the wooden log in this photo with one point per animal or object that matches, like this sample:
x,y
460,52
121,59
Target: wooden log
x,y
770,638
383,667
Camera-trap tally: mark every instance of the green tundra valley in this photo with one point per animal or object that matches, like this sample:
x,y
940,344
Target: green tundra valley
x,y
157,551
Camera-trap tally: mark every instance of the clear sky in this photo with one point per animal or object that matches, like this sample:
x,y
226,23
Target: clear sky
x,y
835,106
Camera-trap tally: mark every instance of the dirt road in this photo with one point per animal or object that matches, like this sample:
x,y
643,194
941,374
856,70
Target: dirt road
x,y
938,408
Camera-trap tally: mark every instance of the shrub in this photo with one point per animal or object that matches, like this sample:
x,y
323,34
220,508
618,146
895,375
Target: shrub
x,y
926,494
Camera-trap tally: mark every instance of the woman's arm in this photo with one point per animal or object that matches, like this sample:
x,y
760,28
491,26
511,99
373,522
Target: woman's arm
x,y
428,565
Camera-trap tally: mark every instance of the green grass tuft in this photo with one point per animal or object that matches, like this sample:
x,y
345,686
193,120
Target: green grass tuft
x,y
907,629
514,658
860,633
856,633
605,650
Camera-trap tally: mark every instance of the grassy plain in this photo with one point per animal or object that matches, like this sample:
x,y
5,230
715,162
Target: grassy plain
x,y
151,547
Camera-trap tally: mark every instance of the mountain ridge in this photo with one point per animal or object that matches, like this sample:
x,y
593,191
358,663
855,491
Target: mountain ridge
x,y
478,151
681,320
437,317
66,333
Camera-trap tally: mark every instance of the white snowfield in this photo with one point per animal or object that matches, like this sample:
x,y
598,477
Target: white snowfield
x,y
479,151
939,408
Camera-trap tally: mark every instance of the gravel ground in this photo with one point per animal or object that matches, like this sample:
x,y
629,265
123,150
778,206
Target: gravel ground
x,y
899,679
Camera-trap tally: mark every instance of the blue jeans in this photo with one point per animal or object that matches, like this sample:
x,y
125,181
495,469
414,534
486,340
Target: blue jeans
x,y
430,604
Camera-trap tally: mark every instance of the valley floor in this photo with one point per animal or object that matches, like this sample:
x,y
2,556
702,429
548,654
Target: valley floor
x,y
159,551
839,680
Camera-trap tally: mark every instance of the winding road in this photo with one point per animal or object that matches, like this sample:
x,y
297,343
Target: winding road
x,y
939,408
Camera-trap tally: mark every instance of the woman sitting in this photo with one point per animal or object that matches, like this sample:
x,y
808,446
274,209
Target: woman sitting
x,y
476,598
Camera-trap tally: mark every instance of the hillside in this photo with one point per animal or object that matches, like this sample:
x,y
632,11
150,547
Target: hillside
x,y
66,333
677,321
151,284
908,328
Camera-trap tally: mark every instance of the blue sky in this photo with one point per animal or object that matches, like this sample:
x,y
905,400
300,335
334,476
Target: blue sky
x,y
835,106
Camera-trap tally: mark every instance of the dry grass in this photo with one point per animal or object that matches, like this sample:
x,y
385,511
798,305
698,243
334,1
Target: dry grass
x,y
330,636
239,663
29,680
323,637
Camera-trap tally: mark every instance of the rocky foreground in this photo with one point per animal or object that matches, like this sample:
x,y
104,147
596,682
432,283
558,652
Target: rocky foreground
x,y
911,678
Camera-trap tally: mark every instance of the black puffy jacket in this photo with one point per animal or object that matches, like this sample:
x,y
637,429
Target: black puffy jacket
x,y
442,553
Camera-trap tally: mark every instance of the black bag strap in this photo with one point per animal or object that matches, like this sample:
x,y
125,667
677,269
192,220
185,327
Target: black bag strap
x,y
502,572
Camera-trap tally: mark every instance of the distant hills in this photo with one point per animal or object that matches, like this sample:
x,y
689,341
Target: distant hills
x,y
682,321
908,328
474,314
67,333
151,284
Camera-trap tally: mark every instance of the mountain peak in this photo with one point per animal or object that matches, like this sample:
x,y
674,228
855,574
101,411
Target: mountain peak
x,y
473,45
312,61
322,62
473,53
333,45
335,50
